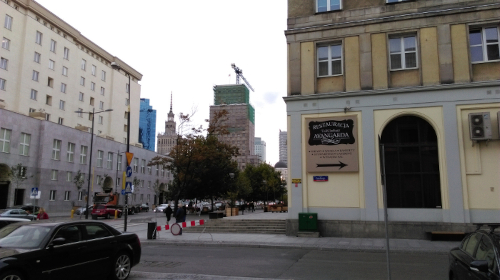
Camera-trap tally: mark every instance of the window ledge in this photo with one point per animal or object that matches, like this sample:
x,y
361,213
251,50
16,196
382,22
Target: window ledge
x,y
405,69
330,76
482,62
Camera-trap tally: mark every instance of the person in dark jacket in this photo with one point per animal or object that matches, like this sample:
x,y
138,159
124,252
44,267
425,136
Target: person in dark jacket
x,y
180,216
168,212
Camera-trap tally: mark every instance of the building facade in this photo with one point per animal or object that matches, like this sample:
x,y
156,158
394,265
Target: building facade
x,y
52,155
260,149
168,139
395,97
147,125
49,67
283,150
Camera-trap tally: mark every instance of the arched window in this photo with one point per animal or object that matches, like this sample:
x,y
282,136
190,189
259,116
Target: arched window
x,y
411,164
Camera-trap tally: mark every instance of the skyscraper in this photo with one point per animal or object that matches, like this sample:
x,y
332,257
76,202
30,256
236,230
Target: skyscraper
x,y
283,147
260,149
147,125
168,139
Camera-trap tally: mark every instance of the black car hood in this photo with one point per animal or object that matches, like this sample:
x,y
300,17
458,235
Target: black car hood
x,y
9,252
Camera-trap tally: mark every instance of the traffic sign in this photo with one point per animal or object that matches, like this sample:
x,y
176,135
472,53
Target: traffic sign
x,y
128,187
123,192
129,171
34,191
129,157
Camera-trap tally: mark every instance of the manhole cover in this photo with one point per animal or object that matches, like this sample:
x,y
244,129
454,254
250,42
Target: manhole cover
x,y
160,264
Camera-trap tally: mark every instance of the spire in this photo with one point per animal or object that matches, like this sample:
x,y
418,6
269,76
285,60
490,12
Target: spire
x,y
170,102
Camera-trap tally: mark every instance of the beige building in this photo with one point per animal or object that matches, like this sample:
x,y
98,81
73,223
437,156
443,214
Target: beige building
x,y
420,78
168,139
50,70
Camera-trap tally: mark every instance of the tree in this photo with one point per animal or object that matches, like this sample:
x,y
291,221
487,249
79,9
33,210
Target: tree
x,y
156,189
78,180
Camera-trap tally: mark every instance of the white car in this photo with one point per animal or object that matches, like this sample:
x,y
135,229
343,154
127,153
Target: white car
x,y
160,208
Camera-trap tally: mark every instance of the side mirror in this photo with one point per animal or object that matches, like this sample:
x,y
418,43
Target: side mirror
x,y
481,266
57,241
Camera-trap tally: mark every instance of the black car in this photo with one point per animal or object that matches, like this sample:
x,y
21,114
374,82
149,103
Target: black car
x,y
477,257
71,250
7,221
143,207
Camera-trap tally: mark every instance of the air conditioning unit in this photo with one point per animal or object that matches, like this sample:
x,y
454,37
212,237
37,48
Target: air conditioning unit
x,y
480,126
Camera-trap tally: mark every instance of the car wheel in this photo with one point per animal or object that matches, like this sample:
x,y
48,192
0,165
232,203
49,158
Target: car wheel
x,y
121,267
11,275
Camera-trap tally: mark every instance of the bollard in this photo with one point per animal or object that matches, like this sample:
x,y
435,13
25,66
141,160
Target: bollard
x,y
116,214
72,213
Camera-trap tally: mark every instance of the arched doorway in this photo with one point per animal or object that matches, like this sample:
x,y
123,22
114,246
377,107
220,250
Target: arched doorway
x,y
411,164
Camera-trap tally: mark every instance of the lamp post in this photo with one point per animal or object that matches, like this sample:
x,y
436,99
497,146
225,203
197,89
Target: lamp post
x,y
116,66
232,177
90,160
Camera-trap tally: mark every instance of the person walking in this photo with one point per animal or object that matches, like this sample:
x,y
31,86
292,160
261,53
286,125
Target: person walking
x,y
42,215
168,212
180,216
252,206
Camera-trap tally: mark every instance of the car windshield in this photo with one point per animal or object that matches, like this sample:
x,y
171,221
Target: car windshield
x,y
25,236
3,210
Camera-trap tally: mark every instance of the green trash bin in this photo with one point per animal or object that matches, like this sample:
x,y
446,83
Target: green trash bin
x,y
308,221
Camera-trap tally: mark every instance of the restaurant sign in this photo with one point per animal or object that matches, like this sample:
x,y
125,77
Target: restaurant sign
x,y
332,144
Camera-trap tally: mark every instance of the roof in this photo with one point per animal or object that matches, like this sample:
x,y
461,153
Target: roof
x,y
280,164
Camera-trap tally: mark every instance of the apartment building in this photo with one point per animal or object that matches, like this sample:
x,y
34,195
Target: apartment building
x,y
260,149
396,97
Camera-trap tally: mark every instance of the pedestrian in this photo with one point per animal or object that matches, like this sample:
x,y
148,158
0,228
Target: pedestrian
x,y
180,216
252,206
168,212
42,215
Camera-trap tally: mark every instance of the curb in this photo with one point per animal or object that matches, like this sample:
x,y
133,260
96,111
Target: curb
x,y
412,251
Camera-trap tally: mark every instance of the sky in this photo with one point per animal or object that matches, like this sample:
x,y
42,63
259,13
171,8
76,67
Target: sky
x,y
187,47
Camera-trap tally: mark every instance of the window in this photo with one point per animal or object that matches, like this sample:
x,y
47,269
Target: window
x,y
53,177
48,100
143,163
32,110
92,86
157,173
38,38
66,53
136,162
101,105
6,43
61,104
52,195
33,94
92,101
102,91
8,22
330,60
56,149
484,44
80,96
71,152
3,84
5,140
119,162
127,88
80,195
99,158
142,197
50,82
100,119
93,70
328,5
84,64
47,117
37,57
65,71
69,176
63,87
34,77
66,195
125,129
109,164
470,246
83,154
3,63
149,170
98,179
127,102
80,112
126,115
103,75
403,51
53,46
51,64
82,81
485,252
60,121
24,144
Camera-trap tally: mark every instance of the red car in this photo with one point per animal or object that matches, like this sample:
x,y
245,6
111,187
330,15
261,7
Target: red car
x,y
105,211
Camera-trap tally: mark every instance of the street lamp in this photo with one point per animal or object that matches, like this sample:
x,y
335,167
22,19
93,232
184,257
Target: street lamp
x,y
116,66
232,177
90,160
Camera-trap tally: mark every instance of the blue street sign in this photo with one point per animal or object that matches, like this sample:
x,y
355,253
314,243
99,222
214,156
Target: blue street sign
x,y
34,191
123,192
129,171
128,187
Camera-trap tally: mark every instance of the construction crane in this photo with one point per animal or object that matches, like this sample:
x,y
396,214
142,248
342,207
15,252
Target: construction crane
x,y
239,73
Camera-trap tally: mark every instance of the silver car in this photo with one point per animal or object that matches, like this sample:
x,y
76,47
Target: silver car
x,y
160,208
16,213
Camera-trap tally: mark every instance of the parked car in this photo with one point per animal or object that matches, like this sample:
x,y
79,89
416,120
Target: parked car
x,y
477,256
70,250
142,207
159,208
105,211
7,221
31,209
82,210
16,213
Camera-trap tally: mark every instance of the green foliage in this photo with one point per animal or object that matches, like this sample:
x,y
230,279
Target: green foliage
x,y
18,174
79,180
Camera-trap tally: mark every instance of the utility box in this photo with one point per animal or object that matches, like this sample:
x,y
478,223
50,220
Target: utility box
x,y
308,221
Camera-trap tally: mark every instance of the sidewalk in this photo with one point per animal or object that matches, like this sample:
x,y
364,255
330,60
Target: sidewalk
x,y
282,241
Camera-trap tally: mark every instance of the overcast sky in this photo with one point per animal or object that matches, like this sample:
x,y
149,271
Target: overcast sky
x,y
187,47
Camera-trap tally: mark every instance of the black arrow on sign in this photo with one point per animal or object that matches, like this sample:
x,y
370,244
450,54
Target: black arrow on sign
x,y
341,164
